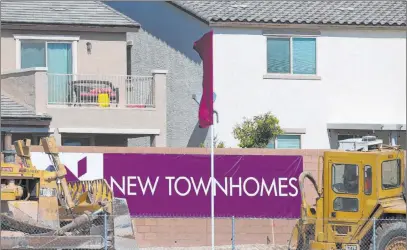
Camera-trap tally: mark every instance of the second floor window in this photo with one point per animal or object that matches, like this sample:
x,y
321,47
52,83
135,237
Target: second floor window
x,y
291,55
33,54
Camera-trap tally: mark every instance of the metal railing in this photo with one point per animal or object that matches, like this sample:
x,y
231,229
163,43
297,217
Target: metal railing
x,y
101,90
140,92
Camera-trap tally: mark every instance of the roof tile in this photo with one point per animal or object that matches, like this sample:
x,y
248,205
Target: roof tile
x,y
342,12
62,12
12,109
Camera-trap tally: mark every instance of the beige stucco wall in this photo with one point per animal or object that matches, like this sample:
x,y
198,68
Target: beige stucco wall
x,y
29,86
108,56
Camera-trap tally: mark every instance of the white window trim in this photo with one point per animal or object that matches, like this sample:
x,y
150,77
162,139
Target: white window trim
x,y
49,38
276,141
291,76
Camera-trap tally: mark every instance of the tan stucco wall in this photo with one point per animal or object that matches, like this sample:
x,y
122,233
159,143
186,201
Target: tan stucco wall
x,y
108,56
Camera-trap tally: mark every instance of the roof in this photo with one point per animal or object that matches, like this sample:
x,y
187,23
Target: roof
x,y
13,109
339,12
63,12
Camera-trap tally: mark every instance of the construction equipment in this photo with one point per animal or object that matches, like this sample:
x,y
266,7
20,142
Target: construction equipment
x,y
361,205
365,143
41,210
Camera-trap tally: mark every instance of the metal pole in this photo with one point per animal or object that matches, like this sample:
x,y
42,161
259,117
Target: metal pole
x,y
233,232
9,156
213,185
374,233
106,228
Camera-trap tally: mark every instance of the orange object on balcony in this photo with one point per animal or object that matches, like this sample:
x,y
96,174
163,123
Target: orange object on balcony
x,y
104,100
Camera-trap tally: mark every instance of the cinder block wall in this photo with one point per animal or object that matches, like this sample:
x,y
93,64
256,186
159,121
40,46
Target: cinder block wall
x,y
184,232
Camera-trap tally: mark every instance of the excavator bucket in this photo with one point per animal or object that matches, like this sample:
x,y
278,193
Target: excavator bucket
x,y
123,229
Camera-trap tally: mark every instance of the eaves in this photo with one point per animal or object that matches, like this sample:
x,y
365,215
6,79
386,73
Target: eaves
x,y
26,121
69,27
189,13
264,25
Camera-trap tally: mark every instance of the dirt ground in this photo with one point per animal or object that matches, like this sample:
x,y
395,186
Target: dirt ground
x,y
238,247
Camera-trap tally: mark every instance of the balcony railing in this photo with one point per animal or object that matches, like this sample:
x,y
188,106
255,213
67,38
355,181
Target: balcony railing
x,y
101,90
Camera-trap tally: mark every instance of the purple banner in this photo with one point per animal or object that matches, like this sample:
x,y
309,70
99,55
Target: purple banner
x,y
255,186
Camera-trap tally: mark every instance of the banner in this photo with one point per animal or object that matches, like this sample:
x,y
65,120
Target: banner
x,y
172,185
204,47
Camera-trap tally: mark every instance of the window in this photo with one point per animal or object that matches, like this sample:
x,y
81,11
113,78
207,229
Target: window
x,y
58,53
346,204
128,58
33,54
345,178
391,174
368,180
286,142
294,55
57,56
75,141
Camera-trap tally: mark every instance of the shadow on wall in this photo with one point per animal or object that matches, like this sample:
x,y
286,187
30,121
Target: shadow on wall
x,y
165,41
198,136
171,25
333,142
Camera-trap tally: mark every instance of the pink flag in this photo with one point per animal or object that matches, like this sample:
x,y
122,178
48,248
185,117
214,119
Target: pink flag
x,y
204,47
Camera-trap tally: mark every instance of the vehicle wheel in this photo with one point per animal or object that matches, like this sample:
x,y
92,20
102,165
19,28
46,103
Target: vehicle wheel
x,y
391,236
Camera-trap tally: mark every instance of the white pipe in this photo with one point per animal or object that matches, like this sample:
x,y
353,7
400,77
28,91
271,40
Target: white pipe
x,y
213,183
272,231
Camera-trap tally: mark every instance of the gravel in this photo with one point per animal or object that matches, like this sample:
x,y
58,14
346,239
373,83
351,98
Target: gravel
x,y
238,247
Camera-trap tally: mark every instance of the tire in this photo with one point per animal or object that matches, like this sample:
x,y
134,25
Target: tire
x,y
388,232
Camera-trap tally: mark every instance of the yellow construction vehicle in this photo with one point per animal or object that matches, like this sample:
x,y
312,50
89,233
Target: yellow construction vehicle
x,y
361,205
41,210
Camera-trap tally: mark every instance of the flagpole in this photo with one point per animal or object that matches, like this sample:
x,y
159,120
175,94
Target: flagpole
x,y
213,182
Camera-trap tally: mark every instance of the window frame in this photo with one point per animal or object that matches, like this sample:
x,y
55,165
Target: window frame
x,y
364,180
129,49
400,181
289,134
48,39
291,75
332,178
344,198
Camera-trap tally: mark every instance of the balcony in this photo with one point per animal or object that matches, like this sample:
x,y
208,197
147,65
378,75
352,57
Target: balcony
x,y
98,104
101,91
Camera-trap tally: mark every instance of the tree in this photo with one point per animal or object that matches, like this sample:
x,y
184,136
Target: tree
x,y
216,143
257,131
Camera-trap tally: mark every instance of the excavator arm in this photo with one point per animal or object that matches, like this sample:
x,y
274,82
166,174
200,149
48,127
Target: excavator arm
x,y
305,206
22,148
50,148
91,210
